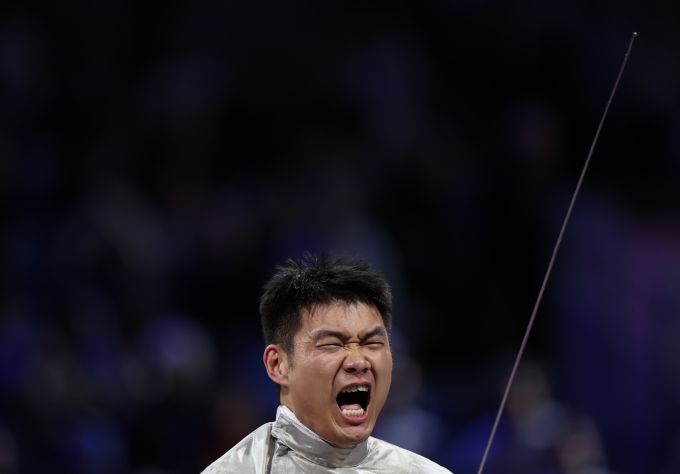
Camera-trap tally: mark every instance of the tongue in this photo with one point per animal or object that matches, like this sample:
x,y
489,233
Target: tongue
x,y
351,406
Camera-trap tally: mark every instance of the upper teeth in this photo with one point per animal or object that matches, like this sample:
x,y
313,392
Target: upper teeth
x,y
356,388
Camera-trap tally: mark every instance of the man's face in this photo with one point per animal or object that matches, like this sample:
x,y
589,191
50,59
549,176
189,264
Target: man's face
x,y
340,372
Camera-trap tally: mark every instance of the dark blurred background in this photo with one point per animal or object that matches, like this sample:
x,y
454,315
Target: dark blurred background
x,y
157,162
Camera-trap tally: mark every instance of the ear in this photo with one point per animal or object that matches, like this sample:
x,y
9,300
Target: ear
x,y
276,363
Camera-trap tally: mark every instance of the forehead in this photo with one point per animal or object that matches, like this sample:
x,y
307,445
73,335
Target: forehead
x,y
351,318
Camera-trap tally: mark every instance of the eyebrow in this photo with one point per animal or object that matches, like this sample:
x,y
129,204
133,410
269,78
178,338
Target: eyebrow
x,y
378,331
322,333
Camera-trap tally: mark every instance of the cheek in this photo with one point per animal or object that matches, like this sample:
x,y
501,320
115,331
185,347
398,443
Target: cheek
x,y
383,375
318,371
384,361
382,365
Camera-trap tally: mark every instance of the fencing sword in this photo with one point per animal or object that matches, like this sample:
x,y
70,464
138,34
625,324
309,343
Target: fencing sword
x,y
556,248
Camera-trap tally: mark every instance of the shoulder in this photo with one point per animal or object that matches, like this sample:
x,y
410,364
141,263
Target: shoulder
x,y
404,459
248,456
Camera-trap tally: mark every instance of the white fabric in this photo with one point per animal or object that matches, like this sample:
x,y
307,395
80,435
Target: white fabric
x,y
287,446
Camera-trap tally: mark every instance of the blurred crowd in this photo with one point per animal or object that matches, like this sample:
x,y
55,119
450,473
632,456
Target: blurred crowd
x,y
157,162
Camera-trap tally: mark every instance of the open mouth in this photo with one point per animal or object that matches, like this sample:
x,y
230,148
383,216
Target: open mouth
x,y
353,400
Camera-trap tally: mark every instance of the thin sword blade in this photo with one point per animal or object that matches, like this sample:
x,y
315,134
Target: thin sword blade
x,y
520,353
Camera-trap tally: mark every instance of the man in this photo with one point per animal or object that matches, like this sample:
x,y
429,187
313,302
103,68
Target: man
x,y
325,323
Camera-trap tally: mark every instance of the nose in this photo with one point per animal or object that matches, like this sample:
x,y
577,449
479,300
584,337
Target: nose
x,y
356,362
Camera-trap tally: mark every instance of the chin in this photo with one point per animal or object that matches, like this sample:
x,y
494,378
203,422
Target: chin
x,y
348,436
357,436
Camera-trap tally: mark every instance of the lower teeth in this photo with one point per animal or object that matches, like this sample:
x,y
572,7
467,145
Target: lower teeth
x,y
358,412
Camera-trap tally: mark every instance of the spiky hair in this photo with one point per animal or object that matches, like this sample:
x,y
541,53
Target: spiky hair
x,y
300,284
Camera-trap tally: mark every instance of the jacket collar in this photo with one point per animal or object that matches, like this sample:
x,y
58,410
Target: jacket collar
x,y
288,430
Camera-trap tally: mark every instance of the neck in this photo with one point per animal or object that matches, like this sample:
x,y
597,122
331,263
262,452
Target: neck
x,y
291,432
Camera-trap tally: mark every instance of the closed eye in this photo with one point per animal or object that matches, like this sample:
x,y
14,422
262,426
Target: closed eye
x,y
374,344
329,345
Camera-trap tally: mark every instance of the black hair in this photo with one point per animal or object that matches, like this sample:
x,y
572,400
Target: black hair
x,y
300,284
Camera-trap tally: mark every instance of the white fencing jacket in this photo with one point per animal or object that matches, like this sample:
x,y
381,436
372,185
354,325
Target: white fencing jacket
x,y
287,446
